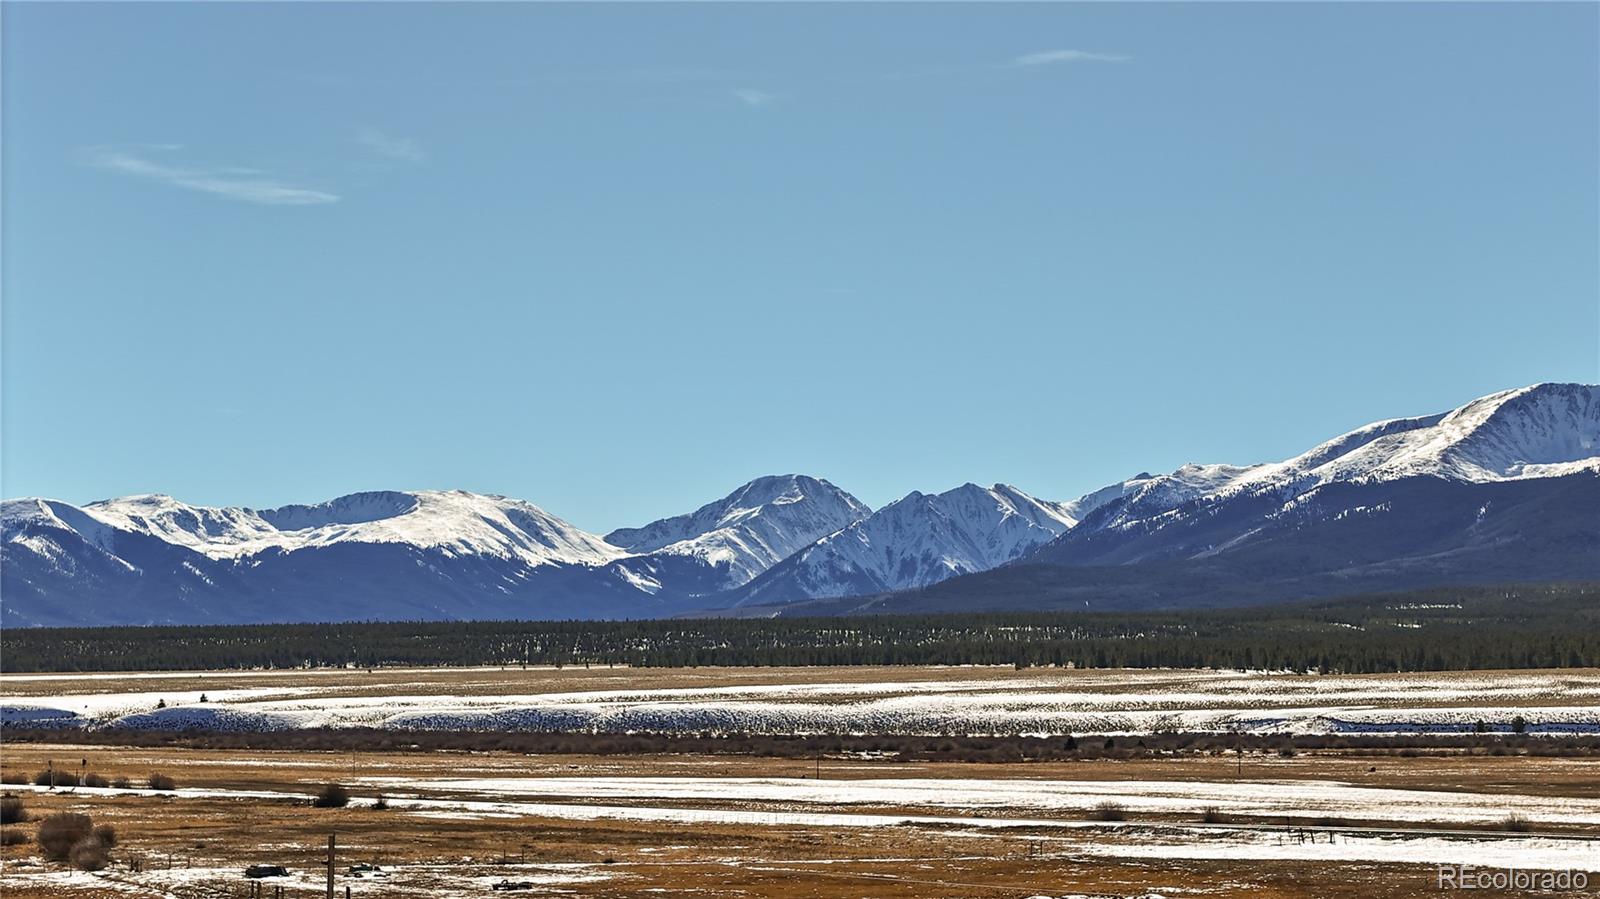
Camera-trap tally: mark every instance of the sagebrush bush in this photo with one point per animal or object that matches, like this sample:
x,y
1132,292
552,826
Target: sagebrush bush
x,y
1110,811
95,780
13,837
13,810
162,782
59,833
1516,823
332,796
89,854
106,834
1212,815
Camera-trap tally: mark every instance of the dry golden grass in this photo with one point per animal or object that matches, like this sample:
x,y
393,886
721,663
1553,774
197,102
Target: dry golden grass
x,y
211,839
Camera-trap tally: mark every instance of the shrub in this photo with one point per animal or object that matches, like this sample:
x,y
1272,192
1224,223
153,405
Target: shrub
x,y
48,777
1516,823
162,782
89,854
1519,724
59,833
120,783
106,834
1109,811
13,837
381,804
332,796
13,777
95,780
13,810
1212,815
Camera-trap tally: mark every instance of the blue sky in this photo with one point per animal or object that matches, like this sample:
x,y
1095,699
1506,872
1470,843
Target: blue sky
x,y
617,259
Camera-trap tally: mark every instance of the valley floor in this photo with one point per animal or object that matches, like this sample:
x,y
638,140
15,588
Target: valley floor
x,y
1334,822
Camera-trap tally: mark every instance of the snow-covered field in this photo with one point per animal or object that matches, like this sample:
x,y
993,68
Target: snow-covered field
x,y
1053,810
1052,702
1261,798
437,881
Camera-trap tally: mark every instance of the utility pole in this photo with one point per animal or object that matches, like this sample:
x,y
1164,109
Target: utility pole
x,y
331,845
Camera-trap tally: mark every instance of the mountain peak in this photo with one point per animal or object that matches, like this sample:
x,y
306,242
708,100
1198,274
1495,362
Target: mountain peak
x,y
750,529
917,540
452,521
1542,430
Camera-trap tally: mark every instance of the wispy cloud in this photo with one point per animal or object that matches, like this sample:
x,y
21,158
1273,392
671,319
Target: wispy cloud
x,y
1057,57
232,182
403,149
753,98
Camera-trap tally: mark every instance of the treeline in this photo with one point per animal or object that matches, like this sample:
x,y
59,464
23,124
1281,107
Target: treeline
x,y
1526,626
898,747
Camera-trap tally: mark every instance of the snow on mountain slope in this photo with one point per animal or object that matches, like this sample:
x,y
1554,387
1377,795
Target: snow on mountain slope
x,y
1079,509
1546,430
1497,489
742,534
38,514
213,532
387,554
379,556
59,535
1148,496
915,541
1368,497
454,522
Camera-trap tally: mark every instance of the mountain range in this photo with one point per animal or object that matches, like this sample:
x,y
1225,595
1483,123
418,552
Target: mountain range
x,y
1504,488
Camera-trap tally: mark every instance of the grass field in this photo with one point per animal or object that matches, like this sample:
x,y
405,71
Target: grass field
x,y
1334,822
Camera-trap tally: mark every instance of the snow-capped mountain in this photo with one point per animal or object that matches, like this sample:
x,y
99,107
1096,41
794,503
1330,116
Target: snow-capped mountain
x,y
382,555
1547,430
388,555
1505,488
915,541
454,523
737,537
